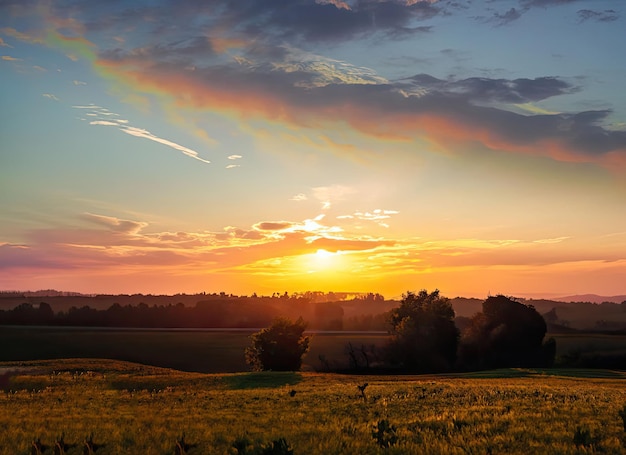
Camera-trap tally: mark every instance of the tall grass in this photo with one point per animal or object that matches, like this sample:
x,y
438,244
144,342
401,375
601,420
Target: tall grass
x,y
132,409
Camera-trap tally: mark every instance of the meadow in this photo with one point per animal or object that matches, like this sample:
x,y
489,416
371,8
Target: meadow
x,y
222,351
127,408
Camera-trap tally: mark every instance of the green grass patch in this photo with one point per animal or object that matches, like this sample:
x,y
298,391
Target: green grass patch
x,y
583,373
262,380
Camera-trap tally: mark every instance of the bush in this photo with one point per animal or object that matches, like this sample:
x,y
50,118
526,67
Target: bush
x,y
279,347
385,434
244,446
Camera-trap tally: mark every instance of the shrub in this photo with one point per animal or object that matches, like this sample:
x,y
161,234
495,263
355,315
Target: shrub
x,y
277,447
582,437
279,347
385,434
244,446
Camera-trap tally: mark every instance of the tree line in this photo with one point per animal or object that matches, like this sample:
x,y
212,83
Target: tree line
x,y
425,339
214,313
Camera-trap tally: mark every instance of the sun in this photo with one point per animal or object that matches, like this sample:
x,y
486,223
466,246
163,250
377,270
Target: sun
x,y
323,255
321,261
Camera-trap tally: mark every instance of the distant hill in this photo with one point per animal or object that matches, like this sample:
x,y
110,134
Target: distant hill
x,y
592,298
579,314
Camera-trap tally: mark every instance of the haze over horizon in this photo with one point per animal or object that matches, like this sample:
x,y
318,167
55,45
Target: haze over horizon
x,y
365,145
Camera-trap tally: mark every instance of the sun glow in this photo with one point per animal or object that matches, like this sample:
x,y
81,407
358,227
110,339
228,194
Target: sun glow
x,y
323,255
323,260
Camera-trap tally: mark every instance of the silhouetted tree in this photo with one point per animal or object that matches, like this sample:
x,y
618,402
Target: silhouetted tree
x,y
424,336
506,334
279,347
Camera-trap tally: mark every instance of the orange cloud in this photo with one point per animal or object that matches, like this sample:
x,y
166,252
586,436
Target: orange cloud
x,y
409,120
35,38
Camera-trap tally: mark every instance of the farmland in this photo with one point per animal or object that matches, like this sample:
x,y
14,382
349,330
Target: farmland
x,y
131,408
220,351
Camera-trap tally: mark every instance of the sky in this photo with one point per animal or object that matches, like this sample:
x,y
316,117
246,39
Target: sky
x,y
177,146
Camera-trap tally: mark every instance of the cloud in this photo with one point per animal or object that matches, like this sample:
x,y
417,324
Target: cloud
x,y
259,75
232,166
3,43
447,112
116,224
75,82
88,106
506,18
378,216
235,157
546,3
8,58
332,193
513,14
362,245
339,4
50,96
291,21
299,197
29,38
485,90
274,226
608,15
321,71
111,246
138,132
122,124
553,240
103,122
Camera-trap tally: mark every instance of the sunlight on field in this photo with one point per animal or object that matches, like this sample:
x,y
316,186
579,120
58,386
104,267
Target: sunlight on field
x,y
131,408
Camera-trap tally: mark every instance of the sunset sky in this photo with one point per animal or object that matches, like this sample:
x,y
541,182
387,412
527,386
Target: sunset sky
x,y
289,145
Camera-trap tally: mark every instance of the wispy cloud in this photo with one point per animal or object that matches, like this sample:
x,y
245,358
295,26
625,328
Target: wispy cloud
x,y
75,82
34,38
378,216
608,15
123,125
8,58
235,157
138,132
339,4
116,224
328,195
50,96
501,19
3,43
103,122
554,240
299,197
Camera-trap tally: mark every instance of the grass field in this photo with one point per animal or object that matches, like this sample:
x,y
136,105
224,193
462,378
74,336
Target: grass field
x,y
137,409
216,351
201,351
